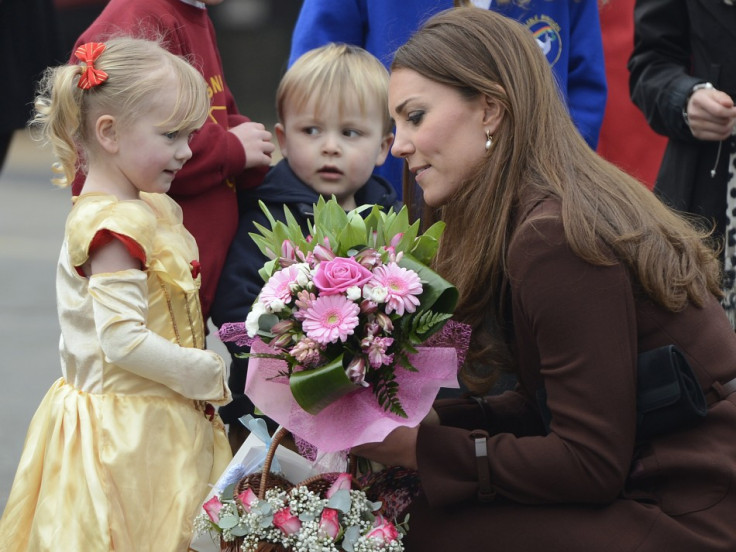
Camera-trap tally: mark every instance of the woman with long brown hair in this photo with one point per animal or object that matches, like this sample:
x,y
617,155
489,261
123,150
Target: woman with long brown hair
x,y
621,433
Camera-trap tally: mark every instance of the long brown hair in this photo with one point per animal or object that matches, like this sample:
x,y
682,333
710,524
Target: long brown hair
x,y
537,149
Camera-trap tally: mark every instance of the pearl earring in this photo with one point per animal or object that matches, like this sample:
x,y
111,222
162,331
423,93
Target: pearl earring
x,y
489,140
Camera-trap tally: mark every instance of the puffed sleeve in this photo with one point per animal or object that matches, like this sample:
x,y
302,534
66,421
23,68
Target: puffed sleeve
x,y
132,221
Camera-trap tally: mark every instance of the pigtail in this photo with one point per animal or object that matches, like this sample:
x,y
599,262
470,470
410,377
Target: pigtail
x,y
58,118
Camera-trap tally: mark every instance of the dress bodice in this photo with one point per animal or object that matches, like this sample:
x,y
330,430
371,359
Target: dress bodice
x,y
152,229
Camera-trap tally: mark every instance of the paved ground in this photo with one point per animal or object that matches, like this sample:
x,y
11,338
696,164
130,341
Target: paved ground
x,y
32,214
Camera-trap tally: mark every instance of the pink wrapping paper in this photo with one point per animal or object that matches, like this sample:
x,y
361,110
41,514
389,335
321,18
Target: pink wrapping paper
x,y
356,418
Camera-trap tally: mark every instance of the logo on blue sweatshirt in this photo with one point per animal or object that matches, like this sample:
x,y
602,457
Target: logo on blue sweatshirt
x,y
547,34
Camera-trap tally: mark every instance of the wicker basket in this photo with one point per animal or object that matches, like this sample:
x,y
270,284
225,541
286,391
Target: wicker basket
x,y
264,480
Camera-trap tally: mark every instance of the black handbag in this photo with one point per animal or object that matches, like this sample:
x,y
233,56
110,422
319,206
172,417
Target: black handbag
x,y
669,396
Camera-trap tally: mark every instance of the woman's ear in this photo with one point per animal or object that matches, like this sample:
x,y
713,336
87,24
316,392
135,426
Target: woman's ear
x,y
492,113
106,133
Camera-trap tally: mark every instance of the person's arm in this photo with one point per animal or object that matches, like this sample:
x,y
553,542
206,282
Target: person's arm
x,y
509,412
576,322
235,150
586,76
323,21
119,292
659,82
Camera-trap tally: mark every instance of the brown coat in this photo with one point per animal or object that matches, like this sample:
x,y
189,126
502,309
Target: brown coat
x,y
583,485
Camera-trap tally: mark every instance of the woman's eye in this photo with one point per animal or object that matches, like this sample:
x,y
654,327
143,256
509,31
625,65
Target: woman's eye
x,y
415,117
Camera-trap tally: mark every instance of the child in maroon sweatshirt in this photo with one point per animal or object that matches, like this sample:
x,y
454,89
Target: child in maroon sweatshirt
x,y
229,151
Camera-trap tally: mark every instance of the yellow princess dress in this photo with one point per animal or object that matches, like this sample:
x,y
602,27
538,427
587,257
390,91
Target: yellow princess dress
x,y
122,448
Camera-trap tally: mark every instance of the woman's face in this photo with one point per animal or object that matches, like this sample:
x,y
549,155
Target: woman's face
x,y
440,134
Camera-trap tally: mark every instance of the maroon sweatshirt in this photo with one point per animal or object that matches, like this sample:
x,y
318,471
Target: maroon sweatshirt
x,y
205,187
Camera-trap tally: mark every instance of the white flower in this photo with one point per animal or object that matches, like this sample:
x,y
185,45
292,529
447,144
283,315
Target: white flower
x,y
353,293
304,276
276,305
377,294
251,321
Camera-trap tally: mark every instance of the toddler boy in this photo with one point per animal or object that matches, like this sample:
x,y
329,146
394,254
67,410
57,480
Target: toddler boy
x,y
334,129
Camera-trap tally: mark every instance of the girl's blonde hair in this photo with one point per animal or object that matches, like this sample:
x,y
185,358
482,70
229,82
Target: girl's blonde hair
x,y
332,74
136,69
607,215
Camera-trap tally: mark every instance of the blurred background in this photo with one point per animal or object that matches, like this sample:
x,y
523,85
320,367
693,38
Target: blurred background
x,y
254,39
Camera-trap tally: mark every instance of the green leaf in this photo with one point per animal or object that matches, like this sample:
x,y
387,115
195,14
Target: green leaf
x,y
266,321
317,388
329,220
408,239
267,270
228,522
396,224
386,390
372,222
425,247
418,327
353,234
239,531
340,501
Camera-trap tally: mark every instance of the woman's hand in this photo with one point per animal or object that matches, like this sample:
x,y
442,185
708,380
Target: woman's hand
x,y
399,448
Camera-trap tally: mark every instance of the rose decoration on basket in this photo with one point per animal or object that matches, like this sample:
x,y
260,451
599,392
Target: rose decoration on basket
x,y
344,309
265,512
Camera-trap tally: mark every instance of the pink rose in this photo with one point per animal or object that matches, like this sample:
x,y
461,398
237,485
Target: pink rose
x,y
339,274
329,523
247,498
344,481
286,521
213,507
384,531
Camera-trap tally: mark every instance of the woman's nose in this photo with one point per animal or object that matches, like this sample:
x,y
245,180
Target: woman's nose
x,y
400,147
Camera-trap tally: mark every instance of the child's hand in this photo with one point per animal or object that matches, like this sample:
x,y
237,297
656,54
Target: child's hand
x,y
256,141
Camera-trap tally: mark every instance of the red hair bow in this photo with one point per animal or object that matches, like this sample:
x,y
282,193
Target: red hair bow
x,y
88,53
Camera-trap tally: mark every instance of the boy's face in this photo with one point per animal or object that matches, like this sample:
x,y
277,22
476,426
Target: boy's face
x,y
331,150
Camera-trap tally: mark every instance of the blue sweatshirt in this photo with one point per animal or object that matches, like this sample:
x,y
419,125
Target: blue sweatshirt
x,y
567,30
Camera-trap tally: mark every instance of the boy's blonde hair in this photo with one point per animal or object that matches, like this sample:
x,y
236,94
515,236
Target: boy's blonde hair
x,y
136,70
332,74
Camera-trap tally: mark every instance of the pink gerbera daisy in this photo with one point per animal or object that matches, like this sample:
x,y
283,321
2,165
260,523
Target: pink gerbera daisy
x,y
403,287
331,317
278,287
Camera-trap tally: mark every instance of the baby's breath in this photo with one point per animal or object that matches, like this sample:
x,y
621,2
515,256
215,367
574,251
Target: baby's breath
x,y
257,525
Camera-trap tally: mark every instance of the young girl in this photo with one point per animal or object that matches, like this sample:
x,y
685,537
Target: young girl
x,y
121,449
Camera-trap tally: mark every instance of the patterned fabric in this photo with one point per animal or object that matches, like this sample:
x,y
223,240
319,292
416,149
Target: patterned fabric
x,y
729,253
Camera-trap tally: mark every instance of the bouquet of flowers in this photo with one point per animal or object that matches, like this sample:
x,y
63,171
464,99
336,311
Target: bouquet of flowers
x,y
346,308
300,519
